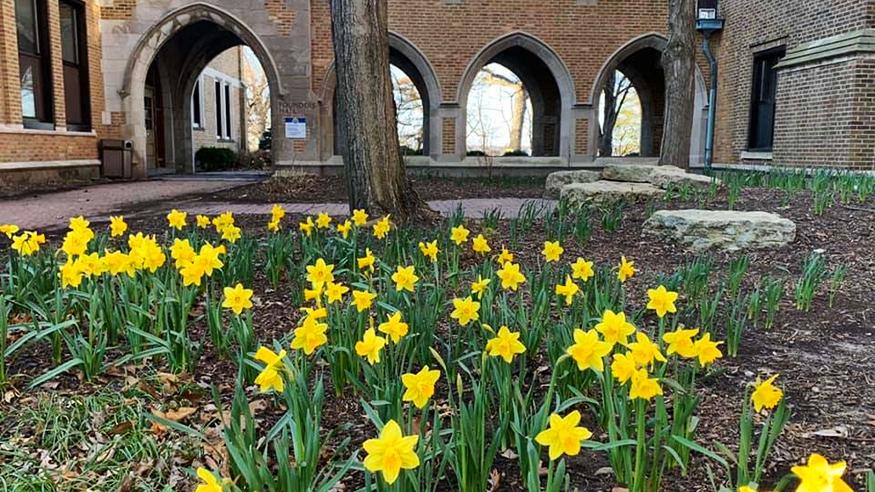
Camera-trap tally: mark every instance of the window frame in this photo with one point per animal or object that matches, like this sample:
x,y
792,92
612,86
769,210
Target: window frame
x,y
43,87
80,65
198,102
760,59
227,111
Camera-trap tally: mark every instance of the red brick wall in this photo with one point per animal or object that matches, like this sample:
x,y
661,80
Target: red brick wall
x,y
23,147
827,115
450,35
755,25
48,146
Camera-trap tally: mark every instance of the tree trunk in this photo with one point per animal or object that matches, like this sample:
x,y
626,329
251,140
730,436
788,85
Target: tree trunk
x,y
679,64
375,171
517,118
609,118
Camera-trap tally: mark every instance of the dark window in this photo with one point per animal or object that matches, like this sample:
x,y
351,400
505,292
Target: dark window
x,y
33,61
74,55
228,111
147,104
196,115
762,110
219,113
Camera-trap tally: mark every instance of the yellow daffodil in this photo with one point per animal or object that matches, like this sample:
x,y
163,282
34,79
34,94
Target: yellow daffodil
x,y
310,335
75,243
117,225
78,223
419,387
202,221
359,217
405,278
623,367
210,482
307,226
320,272
568,290
661,300
680,342
344,228
223,220
270,377
818,475
626,270
27,243
582,270
552,251
237,298
480,245
745,488
323,220
314,293
273,226
370,346
182,252
231,234
479,287
9,230
335,291
71,274
510,276
382,227
563,436
394,327
277,212
429,250
363,299
706,350
209,257
367,261
459,234
176,219
314,314
643,386
465,310
614,327
391,452
766,394
504,257
192,273
644,351
588,351
506,345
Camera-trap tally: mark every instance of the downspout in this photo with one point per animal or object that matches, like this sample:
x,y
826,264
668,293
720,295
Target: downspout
x,y
712,103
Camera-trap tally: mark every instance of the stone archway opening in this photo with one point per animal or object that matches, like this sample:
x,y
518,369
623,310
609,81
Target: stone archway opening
x,y
176,102
514,107
414,89
636,68
640,74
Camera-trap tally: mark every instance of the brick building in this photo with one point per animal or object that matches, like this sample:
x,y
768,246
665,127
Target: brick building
x,y
796,86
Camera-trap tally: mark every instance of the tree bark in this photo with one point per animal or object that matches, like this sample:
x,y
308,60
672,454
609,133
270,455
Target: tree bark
x,y
678,62
375,171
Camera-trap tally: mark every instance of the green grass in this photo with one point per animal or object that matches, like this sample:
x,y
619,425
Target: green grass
x,y
101,441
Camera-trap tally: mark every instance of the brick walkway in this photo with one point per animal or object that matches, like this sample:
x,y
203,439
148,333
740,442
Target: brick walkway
x,y
145,198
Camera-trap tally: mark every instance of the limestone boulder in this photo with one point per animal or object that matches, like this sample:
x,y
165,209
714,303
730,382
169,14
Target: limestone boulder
x,y
607,191
636,173
729,230
668,176
555,181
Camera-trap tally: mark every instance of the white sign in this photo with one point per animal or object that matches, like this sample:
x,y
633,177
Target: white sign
x,y
296,127
708,14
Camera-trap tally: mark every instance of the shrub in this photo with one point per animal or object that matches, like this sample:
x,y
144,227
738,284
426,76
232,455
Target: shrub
x,y
215,158
476,153
516,153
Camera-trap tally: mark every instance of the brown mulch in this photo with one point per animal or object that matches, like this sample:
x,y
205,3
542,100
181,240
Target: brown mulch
x,y
305,188
825,357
